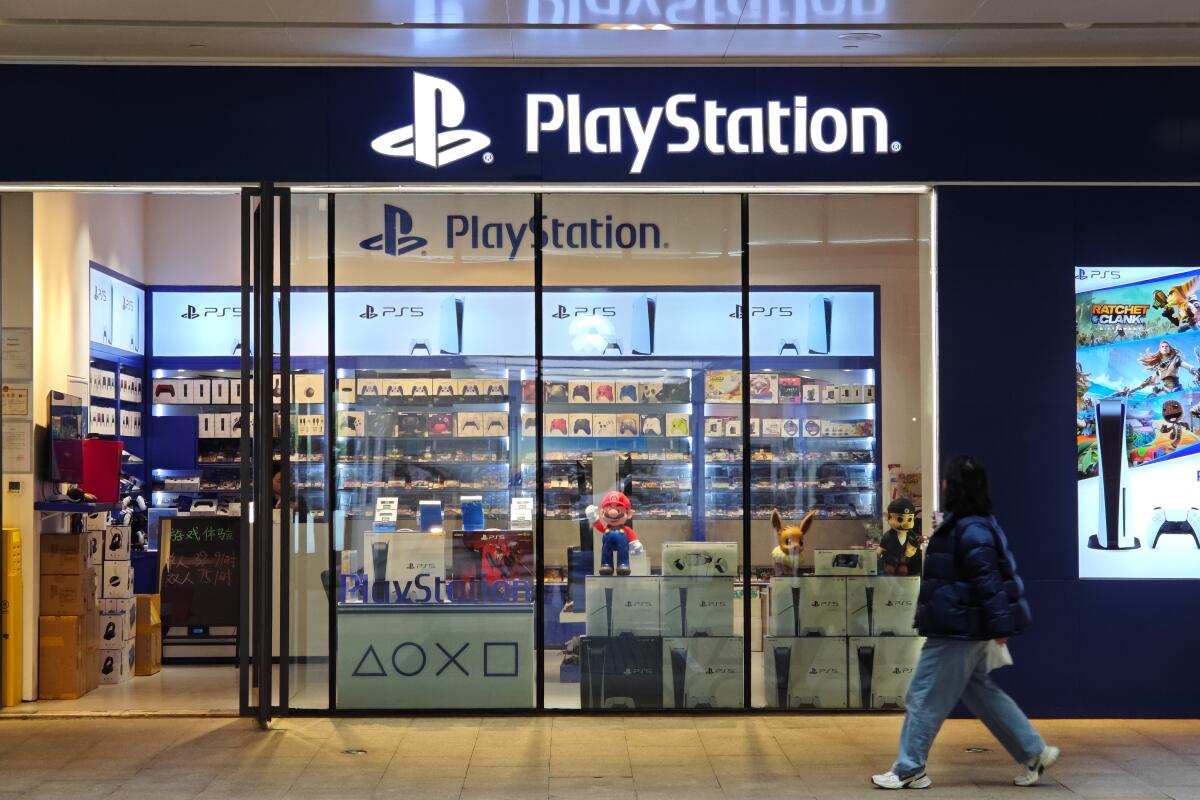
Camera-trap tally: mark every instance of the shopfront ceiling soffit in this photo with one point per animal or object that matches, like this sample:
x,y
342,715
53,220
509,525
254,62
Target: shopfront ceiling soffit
x,y
397,31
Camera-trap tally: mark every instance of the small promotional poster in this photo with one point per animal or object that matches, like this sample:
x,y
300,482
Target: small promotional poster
x,y
1137,409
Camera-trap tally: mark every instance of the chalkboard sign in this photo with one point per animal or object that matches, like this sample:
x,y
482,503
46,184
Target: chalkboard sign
x,y
200,576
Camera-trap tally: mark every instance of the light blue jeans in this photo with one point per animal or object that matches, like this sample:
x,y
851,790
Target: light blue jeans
x,y
950,670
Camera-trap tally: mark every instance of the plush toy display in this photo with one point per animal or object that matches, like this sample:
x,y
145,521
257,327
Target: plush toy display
x,y
900,547
612,519
788,554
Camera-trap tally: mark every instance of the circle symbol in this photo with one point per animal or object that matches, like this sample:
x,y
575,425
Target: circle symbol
x,y
895,147
488,158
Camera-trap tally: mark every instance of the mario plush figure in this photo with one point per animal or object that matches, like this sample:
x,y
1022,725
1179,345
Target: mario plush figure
x,y
612,519
789,553
900,547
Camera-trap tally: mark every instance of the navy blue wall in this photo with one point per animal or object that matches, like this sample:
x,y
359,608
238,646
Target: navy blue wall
x,y
1007,353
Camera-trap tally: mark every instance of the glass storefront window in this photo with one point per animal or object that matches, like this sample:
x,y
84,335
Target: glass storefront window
x,y
835,468
447,411
642,558
433,336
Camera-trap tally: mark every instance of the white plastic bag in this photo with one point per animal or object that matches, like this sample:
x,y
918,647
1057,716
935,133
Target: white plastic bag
x,y
997,656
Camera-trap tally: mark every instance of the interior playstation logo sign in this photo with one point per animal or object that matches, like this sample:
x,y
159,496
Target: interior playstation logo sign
x,y
396,239
369,312
434,137
190,313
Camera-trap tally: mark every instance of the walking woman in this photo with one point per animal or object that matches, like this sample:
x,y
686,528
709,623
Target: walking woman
x,y
970,596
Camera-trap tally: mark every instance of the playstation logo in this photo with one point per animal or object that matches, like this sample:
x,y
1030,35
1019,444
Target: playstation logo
x,y
434,138
369,313
190,313
396,239
561,313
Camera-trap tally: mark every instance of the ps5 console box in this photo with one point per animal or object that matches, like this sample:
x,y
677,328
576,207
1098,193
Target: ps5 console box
x,y
808,606
845,562
702,672
700,559
622,604
621,672
696,606
882,605
805,672
881,668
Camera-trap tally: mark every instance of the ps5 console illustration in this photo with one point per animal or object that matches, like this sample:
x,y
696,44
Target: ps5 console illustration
x,y
783,675
644,310
608,598
870,592
679,656
450,339
683,628
820,325
1111,446
866,670
379,586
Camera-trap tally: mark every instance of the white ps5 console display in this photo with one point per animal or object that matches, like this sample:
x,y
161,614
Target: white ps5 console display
x,y
451,334
644,310
820,325
1113,526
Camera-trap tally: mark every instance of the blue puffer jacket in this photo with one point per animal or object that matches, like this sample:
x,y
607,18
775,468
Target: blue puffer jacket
x,y
970,588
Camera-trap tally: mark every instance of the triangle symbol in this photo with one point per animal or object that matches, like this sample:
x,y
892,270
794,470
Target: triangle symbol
x,y
377,672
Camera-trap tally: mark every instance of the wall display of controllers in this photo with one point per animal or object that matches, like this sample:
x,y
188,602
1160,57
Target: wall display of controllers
x,y
608,425
602,391
725,386
352,390
389,424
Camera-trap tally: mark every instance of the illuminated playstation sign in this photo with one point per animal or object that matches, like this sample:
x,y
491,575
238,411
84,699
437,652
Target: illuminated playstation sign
x,y
682,123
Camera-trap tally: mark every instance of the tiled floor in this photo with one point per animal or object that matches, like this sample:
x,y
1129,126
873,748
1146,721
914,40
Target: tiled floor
x,y
695,758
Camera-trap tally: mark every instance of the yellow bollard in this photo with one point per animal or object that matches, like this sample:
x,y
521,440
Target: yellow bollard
x,y
10,617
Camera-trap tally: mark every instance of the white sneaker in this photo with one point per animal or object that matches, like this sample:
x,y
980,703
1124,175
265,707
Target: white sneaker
x,y
1033,771
890,780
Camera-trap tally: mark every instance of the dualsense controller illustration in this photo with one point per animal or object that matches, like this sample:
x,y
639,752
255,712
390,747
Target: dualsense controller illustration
x,y
1181,521
1112,526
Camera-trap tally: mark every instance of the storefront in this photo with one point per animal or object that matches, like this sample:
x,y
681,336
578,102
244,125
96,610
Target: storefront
x,y
752,302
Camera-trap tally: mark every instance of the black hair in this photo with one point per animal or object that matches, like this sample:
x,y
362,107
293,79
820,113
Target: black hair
x,y
965,488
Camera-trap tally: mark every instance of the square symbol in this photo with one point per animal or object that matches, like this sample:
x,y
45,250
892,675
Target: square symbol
x,y
500,659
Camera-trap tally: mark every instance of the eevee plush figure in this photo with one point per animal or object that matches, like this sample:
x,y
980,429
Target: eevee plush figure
x,y
788,554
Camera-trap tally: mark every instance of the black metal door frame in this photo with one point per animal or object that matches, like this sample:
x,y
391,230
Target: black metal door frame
x,y
259,617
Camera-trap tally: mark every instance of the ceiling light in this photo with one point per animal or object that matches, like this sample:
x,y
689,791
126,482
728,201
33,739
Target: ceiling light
x,y
859,37
197,45
633,26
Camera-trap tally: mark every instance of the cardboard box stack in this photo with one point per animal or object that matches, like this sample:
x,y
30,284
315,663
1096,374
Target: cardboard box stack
x,y
148,659
118,609
68,623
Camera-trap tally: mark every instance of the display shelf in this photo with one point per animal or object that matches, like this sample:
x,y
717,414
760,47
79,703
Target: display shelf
x,y
67,507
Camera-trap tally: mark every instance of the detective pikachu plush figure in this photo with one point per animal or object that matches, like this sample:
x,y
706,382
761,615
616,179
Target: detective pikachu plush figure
x,y
788,554
900,548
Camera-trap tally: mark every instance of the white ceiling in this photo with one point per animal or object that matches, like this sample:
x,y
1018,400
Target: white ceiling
x,y
571,30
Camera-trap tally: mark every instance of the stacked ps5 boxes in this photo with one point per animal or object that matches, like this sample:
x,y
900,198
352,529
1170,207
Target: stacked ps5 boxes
x,y
663,642
841,642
